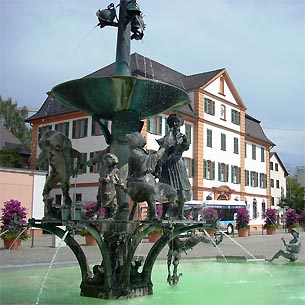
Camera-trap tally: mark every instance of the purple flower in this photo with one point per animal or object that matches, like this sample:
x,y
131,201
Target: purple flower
x,y
291,218
13,218
210,215
271,218
242,218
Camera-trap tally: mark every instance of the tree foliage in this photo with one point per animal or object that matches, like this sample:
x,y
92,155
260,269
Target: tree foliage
x,y
9,157
295,195
13,119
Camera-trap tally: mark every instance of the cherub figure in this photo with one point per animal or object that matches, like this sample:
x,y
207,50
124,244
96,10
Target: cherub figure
x,y
108,181
57,152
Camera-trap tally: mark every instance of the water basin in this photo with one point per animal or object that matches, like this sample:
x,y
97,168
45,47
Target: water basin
x,y
203,282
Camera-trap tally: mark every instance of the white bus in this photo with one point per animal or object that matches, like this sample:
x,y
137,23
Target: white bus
x,y
226,210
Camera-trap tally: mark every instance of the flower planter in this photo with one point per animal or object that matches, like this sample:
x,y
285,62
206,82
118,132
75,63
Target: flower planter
x,y
90,240
271,231
243,232
154,236
10,244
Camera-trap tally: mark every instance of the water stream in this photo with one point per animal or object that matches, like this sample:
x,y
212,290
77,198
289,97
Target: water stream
x,y
50,266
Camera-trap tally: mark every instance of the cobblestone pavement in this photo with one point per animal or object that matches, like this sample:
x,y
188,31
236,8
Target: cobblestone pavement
x,y
39,251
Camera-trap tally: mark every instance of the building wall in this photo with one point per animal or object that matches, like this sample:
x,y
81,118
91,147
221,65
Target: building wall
x,y
25,186
226,100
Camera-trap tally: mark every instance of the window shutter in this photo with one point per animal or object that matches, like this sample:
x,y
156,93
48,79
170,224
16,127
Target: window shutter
x,y
193,168
213,171
232,173
219,171
148,124
160,125
86,127
213,107
227,173
204,168
91,168
73,129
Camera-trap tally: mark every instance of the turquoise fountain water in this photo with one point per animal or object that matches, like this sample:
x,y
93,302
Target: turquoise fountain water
x,y
203,282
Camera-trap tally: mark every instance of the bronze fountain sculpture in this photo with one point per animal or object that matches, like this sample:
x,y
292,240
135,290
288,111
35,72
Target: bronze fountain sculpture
x,y
126,100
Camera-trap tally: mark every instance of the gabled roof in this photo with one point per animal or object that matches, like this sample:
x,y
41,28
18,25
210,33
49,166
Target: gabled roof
x,y
141,67
8,140
280,162
255,130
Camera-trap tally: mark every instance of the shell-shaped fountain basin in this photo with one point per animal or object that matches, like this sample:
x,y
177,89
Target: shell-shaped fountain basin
x,y
106,96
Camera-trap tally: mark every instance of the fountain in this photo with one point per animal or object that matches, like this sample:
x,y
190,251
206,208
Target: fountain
x,y
124,100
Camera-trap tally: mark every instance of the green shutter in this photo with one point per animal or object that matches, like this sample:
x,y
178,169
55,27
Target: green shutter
x,y
213,171
160,125
93,128
91,168
205,168
73,129
213,107
232,173
193,168
206,105
219,171
227,173
148,124
86,127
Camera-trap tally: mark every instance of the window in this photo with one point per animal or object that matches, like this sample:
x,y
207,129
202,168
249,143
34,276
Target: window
x,y
277,184
209,106
78,197
254,209
272,182
262,180
208,170
236,146
253,151
223,142
223,172
43,129
235,117
223,112
58,199
63,128
276,167
80,129
83,160
189,163
96,130
221,86
96,167
235,174
209,138
254,179
271,165
188,132
154,124
262,154
263,208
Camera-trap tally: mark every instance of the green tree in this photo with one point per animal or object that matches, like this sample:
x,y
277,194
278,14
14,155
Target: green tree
x,y
13,119
9,157
295,194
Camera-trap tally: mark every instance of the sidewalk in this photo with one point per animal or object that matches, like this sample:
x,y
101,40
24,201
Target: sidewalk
x,y
255,246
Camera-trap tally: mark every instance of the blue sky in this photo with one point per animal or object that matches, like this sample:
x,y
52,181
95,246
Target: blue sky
x,y
260,42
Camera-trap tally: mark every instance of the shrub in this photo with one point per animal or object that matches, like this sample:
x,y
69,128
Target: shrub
x,y
242,218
